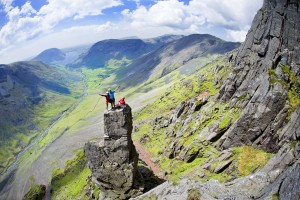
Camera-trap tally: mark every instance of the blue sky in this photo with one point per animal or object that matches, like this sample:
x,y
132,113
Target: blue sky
x,y
28,27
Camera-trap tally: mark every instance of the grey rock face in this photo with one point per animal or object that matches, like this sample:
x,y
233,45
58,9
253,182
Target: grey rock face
x,y
272,44
119,123
290,188
113,161
267,69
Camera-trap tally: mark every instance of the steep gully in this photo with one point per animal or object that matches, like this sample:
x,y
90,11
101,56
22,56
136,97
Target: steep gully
x,y
8,175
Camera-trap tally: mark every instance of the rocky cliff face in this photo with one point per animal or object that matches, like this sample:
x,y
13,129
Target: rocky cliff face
x,y
113,161
257,105
267,74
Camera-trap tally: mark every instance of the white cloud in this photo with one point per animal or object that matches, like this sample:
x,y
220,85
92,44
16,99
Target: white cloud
x,y
172,14
25,23
105,27
231,15
78,35
238,35
7,4
68,37
91,28
61,9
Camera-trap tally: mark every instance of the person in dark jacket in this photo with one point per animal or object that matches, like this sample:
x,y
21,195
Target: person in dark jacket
x,y
112,97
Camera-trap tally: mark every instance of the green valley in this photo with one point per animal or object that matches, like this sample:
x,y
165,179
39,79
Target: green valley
x,y
34,95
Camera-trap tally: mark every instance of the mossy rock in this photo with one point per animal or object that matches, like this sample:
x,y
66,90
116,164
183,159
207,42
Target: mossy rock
x,y
36,192
194,194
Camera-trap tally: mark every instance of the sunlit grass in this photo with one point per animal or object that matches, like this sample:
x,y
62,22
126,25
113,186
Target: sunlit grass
x,y
250,159
70,183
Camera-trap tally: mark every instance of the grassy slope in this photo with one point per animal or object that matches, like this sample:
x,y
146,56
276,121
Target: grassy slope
x,y
71,182
181,89
214,112
44,113
74,120
90,107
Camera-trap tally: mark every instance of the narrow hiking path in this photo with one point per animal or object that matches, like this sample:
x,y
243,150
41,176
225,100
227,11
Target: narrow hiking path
x,y
145,156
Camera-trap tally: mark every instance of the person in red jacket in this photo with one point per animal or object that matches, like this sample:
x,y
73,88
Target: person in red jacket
x,y
122,101
107,99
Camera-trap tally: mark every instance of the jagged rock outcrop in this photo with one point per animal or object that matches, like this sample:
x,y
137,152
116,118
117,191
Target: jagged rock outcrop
x,y
113,161
267,73
265,85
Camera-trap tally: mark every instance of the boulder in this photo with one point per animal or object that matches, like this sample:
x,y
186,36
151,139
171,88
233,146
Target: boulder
x,y
222,166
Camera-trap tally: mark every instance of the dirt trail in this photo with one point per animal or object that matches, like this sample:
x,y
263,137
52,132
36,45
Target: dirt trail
x,y
145,156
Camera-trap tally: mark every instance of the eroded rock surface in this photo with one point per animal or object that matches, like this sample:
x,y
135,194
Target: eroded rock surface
x,y
113,161
267,73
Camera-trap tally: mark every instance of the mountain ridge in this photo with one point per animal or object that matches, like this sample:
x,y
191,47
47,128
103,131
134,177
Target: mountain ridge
x,y
103,51
175,54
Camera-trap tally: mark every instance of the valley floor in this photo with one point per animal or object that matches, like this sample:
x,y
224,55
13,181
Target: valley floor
x,y
39,170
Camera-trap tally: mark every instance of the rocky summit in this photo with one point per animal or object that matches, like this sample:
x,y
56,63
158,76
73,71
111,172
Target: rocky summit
x,y
113,161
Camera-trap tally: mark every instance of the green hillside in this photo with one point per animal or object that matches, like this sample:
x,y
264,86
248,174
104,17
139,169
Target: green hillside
x,y
152,130
33,95
176,133
170,72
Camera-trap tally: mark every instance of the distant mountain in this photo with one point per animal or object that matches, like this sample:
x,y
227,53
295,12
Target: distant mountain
x,y
101,53
50,55
175,54
161,40
73,53
61,56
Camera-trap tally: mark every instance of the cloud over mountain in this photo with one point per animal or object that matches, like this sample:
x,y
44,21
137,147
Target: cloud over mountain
x,y
232,15
38,25
25,22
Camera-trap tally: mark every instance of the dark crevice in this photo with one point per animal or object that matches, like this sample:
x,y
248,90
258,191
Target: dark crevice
x,y
256,137
277,61
280,185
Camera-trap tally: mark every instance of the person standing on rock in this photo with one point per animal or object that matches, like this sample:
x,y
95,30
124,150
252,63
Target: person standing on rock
x,y
112,98
107,99
121,103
